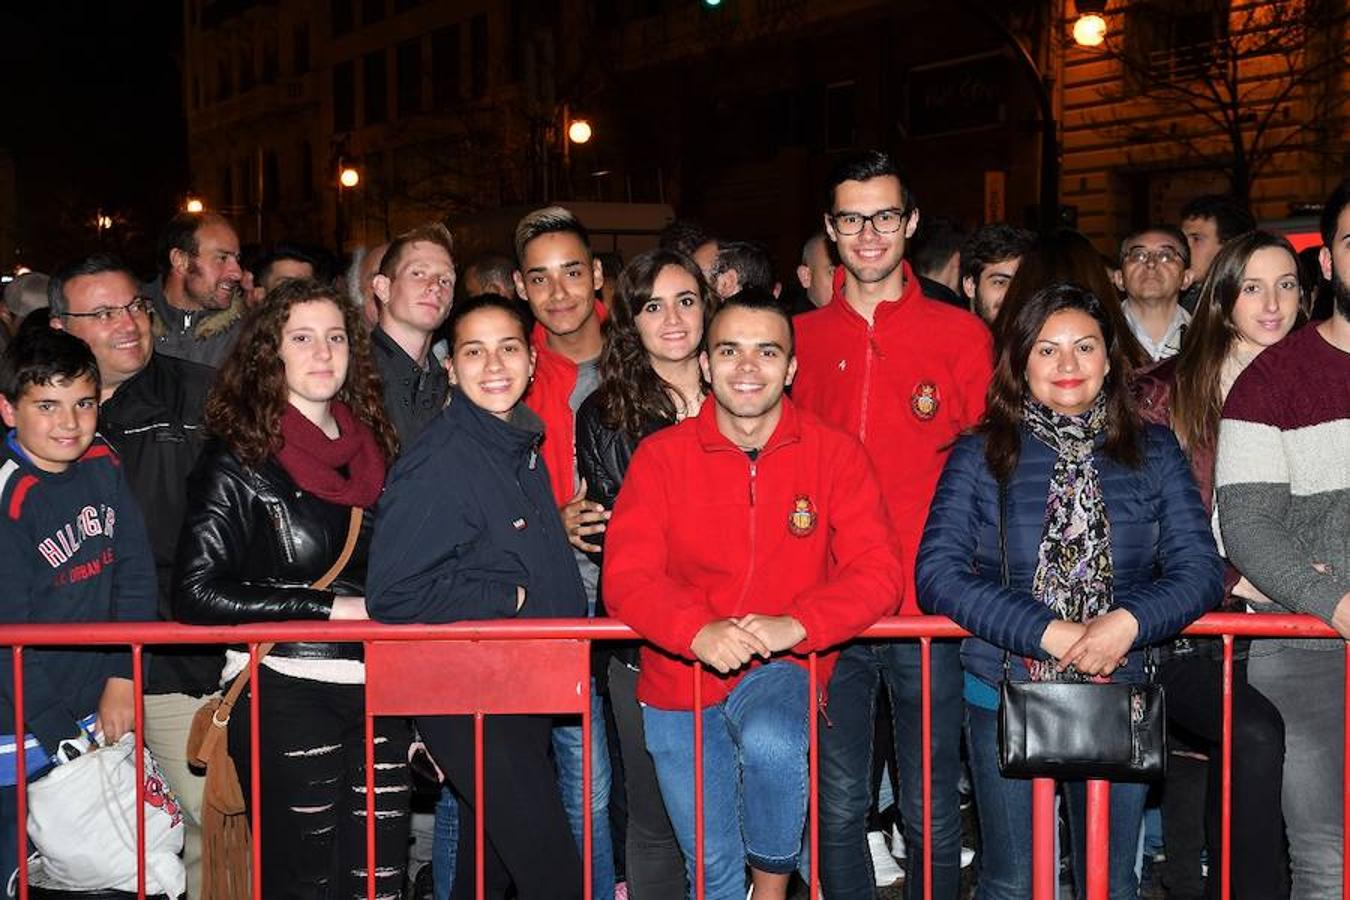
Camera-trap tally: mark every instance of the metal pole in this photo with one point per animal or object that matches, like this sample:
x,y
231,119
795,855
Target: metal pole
x,y
1041,82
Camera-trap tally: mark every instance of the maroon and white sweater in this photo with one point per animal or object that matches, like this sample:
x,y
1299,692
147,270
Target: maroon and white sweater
x,y
1282,476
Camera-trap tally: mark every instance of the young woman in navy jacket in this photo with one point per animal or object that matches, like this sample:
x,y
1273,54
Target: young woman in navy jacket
x,y
468,529
1108,550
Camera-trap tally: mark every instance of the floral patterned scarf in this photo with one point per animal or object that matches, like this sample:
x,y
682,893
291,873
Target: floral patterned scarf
x,y
1073,566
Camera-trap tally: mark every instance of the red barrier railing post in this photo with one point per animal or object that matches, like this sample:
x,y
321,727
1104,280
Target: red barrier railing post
x,y
1098,839
1345,778
586,788
370,790
20,772
480,889
1044,865
1226,774
926,733
698,782
255,762
813,685
137,689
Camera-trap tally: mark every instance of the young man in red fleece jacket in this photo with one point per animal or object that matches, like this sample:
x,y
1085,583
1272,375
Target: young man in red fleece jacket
x,y
906,375
744,539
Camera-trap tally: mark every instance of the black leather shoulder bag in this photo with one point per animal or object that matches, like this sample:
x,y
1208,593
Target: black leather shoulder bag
x,y
1070,730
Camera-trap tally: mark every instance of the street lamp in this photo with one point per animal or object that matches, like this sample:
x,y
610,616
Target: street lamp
x,y
349,177
194,205
579,132
1090,29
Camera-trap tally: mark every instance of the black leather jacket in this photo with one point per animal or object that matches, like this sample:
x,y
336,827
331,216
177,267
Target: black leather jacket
x,y
252,542
603,455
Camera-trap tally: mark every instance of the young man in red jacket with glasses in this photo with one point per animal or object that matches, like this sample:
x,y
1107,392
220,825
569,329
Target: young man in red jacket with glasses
x,y
744,539
906,375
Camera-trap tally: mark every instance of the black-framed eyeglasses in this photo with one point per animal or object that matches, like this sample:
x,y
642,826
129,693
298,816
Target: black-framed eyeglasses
x,y
138,307
884,221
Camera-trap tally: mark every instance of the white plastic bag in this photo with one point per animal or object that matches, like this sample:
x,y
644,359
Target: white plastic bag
x,y
82,823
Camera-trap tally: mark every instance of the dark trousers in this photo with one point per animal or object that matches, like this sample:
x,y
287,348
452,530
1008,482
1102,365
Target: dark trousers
x,y
1260,865
312,753
655,867
529,841
846,751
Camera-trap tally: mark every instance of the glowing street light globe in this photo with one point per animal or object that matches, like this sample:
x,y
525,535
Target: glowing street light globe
x,y
194,205
349,177
579,132
1089,30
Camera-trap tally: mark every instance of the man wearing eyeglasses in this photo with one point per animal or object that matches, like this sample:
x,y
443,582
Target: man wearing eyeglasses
x,y
1155,268
905,374
150,411
198,298
413,289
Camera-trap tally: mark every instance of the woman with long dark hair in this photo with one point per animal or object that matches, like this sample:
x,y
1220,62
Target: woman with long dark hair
x,y
299,442
1250,301
1107,550
650,379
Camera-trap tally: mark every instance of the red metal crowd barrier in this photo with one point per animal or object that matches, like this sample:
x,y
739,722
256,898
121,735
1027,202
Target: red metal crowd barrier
x,y
427,679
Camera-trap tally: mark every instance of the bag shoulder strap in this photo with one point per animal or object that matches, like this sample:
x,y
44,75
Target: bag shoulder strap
x,y
323,581
353,533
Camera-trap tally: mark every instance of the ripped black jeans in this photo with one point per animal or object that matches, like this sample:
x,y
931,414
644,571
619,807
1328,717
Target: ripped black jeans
x,y
312,753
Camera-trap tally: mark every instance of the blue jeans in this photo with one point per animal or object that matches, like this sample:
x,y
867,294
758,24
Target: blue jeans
x,y
1005,822
846,766
9,834
445,844
567,757
755,746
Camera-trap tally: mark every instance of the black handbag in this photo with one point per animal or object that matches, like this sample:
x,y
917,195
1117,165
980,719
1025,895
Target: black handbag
x,y
1071,730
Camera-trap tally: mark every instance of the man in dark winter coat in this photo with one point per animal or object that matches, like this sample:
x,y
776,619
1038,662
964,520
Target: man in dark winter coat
x,y
149,411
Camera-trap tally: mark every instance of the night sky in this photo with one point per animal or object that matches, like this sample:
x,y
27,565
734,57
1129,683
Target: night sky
x,y
93,117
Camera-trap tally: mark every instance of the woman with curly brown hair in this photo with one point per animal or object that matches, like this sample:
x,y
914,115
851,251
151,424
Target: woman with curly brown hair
x,y
298,455
649,379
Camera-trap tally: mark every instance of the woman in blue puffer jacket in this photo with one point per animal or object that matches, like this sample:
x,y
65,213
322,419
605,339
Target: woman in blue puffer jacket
x,y
1108,550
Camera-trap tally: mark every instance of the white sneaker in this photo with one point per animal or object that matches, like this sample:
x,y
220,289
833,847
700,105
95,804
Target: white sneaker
x,y
887,872
897,842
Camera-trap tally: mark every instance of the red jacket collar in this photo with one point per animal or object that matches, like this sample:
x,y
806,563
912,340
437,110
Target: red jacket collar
x,y
886,308
711,438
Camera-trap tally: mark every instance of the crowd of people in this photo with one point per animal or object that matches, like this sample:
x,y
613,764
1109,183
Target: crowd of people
x,y
1073,457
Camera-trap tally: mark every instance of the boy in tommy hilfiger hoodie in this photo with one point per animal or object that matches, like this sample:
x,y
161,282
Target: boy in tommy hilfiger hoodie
x,y
72,549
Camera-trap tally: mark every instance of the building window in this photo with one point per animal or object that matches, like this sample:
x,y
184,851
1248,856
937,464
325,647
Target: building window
x,y
372,11
246,70
306,179
445,66
300,38
340,15
1167,40
841,116
375,82
408,63
478,55
344,96
271,180
270,65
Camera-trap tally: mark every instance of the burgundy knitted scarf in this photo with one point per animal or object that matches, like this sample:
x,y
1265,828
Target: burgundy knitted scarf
x,y
316,462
